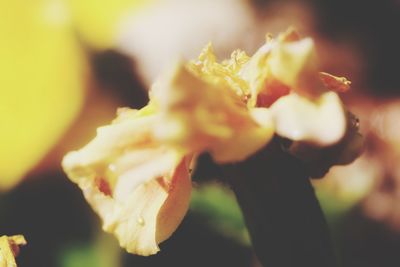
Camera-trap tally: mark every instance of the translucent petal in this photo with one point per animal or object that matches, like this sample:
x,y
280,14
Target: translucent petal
x,y
294,64
321,122
282,65
138,186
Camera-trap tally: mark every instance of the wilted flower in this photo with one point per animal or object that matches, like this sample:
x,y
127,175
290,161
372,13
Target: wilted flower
x,y
9,249
135,173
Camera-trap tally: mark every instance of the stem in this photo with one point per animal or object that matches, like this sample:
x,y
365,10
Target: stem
x,y
282,213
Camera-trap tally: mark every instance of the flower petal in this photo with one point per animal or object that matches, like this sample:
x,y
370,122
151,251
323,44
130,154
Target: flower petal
x,y
294,64
131,180
202,116
148,215
282,65
320,122
9,249
336,84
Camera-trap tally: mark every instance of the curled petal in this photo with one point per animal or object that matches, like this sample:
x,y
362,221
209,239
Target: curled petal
x,y
290,35
336,84
148,215
256,72
131,180
203,116
294,64
285,64
320,122
9,249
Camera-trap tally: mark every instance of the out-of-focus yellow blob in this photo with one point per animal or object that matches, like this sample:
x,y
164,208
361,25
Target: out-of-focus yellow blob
x,y
40,83
97,21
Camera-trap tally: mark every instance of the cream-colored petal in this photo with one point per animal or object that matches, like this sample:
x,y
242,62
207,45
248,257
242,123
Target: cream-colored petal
x,y
284,64
294,64
256,71
203,116
148,215
114,142
9,249
128,177
177,202
250,141
321,122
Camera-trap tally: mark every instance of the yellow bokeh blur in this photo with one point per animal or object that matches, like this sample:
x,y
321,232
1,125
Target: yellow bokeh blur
x,y
97,22
41,83
42,72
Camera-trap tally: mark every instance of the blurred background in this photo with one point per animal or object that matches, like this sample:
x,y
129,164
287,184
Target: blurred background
x,y
66,65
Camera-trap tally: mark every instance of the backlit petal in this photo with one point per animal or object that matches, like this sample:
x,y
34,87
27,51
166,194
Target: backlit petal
x,y
281,65
131,180
321,122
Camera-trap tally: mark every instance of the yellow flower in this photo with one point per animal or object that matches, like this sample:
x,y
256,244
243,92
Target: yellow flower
x,y
135,173
9,249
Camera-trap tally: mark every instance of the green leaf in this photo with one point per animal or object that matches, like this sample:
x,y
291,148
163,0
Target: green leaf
x,y
217,205
102,252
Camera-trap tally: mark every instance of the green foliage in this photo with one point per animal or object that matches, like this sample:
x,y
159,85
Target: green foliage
x,y
217,205
102,252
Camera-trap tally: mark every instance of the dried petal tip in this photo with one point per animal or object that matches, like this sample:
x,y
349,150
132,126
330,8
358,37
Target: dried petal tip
x,y
290,35
9,249
337,84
